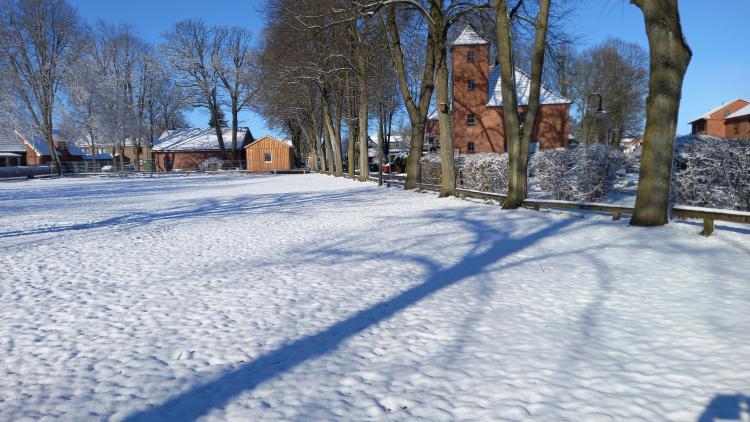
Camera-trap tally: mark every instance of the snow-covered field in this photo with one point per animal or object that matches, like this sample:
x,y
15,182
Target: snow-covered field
x,y
313,298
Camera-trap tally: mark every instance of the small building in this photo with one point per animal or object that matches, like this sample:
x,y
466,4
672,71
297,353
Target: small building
x,y
38,152
737,124
186,149
713,122
12,152
269,154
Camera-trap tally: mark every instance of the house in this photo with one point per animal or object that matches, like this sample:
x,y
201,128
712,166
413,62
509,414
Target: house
x,y
737,124
12,152
269,154
185,149
477,103
38,152
713,122
106,151
629,145
431,133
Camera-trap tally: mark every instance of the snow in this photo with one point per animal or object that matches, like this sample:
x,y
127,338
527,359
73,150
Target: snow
x,y
196,139
305,297
744,111
523,87
469,37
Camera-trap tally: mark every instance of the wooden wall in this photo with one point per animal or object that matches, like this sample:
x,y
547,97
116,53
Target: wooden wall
x,y
282,155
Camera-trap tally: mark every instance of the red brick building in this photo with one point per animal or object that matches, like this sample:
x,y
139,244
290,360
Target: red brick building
x,y
38,152
737,124
713,122
477,103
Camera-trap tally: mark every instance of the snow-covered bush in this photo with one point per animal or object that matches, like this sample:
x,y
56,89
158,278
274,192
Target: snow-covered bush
x,y
633,161
430,164
486,172
211,164
586,172
712,172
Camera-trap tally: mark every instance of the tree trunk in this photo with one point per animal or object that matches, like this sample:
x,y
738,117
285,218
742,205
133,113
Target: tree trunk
x,y
235,126
362,108
417,111
52,149
669,59
447,158
381,139
334,154
330,166
518,139
353,134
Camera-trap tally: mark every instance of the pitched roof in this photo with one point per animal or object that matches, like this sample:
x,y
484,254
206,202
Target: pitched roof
x,y
469,37
523,86
744,111
286,142
40,148
714,110
11,144
196,139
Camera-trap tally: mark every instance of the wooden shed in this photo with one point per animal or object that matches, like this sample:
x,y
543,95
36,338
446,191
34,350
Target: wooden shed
x,y
269,154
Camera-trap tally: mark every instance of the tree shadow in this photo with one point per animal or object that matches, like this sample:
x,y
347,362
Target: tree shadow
x,y
287,204
723,407
489,246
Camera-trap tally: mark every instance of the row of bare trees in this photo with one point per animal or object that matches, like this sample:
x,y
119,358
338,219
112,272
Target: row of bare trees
x,y
105,84
322,64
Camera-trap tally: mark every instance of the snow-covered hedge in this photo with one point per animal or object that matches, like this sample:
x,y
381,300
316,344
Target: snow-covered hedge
x,y
586,172
25,171
211,164
486,172
712,172
430,164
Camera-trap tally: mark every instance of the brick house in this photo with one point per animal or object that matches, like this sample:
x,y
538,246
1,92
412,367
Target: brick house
x,y
12,152
477,105
737,124
38,152
713,122
185,149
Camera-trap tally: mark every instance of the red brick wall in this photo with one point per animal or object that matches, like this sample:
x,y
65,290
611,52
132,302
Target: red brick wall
x,y
488,133
715,121
183,160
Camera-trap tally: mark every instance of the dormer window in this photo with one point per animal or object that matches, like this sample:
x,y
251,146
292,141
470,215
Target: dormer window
x,y
471,57
471,85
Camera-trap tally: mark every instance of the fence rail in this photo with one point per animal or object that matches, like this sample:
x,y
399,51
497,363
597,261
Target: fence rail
x,y
708,215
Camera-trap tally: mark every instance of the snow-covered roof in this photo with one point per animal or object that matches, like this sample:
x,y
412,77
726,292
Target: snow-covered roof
x,y
40,147
196,139
11,144
523,86
100,156
744,111
469,37
714,110
287,142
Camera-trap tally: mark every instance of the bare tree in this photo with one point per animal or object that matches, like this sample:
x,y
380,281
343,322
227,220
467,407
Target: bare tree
x,y
669,59
190,49
518,138
37,37
233,65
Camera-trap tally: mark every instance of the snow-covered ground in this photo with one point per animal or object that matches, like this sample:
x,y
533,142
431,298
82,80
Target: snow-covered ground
x,y
305,297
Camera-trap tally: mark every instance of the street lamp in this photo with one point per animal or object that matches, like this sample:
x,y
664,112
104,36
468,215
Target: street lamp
x,y
598,113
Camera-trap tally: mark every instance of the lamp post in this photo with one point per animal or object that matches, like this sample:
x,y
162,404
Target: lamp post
x,y
598,113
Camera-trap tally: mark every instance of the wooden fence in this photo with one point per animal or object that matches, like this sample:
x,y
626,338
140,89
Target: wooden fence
x,y
708,215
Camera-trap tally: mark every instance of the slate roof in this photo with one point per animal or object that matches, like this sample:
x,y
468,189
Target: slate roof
x,y
523,86
197,139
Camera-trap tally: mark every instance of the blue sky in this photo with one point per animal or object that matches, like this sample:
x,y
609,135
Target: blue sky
x,y
716,31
